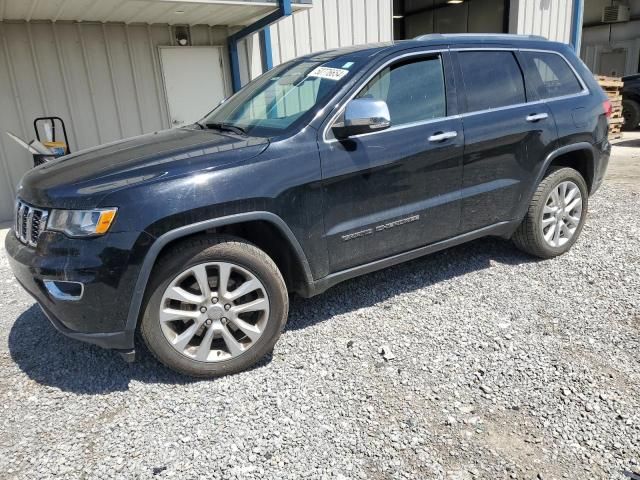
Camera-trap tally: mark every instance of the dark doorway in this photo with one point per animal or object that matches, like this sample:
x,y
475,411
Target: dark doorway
x,y
418,17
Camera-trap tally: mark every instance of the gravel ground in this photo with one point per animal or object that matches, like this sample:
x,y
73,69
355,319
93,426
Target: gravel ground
x,y
505,367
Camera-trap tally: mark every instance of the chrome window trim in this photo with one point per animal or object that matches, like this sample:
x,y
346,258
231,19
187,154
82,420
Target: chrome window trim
x,y
583,92
365,83
399,127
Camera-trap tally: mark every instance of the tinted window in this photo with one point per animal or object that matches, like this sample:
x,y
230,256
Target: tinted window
x,y
491,79
414,91
553,76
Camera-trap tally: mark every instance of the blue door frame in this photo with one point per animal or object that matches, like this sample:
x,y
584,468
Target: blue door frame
x,y
576,25
284,9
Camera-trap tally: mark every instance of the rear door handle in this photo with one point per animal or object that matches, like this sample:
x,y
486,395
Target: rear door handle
x,y
534,117
439,137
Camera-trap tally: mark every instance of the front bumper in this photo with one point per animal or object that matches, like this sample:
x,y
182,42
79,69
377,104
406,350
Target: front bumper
x,y
106,266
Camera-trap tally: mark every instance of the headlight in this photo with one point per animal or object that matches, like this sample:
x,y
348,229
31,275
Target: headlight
x,y
81,223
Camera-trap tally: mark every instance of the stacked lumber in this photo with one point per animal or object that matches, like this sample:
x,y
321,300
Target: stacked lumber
x,y
613,87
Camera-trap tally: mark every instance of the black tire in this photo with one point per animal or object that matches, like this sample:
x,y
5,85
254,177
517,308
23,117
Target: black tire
x,y
214,249
631,114
529,237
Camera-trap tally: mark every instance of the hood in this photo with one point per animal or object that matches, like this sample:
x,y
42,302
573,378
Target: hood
x,y
81,179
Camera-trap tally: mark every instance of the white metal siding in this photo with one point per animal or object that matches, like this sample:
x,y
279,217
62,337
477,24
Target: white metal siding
x,y
104,80
548,18
331,24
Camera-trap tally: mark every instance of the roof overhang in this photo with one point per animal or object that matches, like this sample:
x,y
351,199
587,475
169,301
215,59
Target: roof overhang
x,y
172,12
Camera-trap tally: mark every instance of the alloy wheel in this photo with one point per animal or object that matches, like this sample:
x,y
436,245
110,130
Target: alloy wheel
x,y
214,311
561,214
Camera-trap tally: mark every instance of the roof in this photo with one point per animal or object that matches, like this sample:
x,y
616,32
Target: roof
x,y
437,39
477,37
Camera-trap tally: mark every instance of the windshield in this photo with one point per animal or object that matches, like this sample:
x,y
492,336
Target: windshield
x,y
275,101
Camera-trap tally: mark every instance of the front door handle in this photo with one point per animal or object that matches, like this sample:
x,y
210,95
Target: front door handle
x,y
441,136
534,117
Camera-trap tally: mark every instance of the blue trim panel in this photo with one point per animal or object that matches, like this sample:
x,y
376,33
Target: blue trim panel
x,y
265,49
235,65
284,9
576,25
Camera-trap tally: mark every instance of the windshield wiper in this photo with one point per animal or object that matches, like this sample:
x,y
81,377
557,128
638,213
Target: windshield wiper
x,y
225,127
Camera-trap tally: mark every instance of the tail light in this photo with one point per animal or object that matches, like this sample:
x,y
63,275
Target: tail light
x,y
607,108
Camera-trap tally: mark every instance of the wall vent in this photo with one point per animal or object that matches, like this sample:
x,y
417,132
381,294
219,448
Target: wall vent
x,y
615,14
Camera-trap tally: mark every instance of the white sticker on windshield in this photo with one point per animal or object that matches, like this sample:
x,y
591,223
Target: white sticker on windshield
x,y
328,73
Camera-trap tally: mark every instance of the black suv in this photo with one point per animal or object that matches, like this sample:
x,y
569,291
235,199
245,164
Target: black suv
x,y
326,167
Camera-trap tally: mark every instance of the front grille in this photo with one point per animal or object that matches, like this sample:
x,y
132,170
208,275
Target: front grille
x,y
30,222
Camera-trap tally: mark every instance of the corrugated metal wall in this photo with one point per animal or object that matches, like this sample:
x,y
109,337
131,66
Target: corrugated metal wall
x,y
606,39
330,24
104,80
549,18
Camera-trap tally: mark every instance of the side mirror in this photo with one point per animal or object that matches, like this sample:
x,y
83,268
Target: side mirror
x,y
363,115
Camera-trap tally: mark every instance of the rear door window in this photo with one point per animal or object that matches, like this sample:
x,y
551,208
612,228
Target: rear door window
x,y
550,74
491,79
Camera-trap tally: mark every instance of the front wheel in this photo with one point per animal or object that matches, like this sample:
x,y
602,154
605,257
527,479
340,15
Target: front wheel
x,y
217,306
555,216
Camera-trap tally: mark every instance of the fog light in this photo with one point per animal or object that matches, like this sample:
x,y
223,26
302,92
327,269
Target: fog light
x,y
63,290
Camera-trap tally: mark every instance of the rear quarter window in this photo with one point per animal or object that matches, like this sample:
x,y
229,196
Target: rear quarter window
x,y
550,75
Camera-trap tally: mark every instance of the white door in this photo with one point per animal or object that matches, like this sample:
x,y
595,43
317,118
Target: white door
x,y
194,82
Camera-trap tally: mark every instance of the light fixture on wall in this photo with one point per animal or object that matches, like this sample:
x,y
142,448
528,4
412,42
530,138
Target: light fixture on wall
x,y
454,1
182,35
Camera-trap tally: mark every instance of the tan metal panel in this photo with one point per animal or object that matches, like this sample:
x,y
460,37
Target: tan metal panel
x,y
106,82
103,80
150,96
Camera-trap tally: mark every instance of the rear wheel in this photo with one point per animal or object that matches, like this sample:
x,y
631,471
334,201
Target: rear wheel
x,y
217,306
555,216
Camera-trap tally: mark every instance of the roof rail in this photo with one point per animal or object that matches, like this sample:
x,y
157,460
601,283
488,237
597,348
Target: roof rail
x,y
505,36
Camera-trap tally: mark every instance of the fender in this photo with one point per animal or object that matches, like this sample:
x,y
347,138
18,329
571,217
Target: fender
x,y
573,147
171,235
